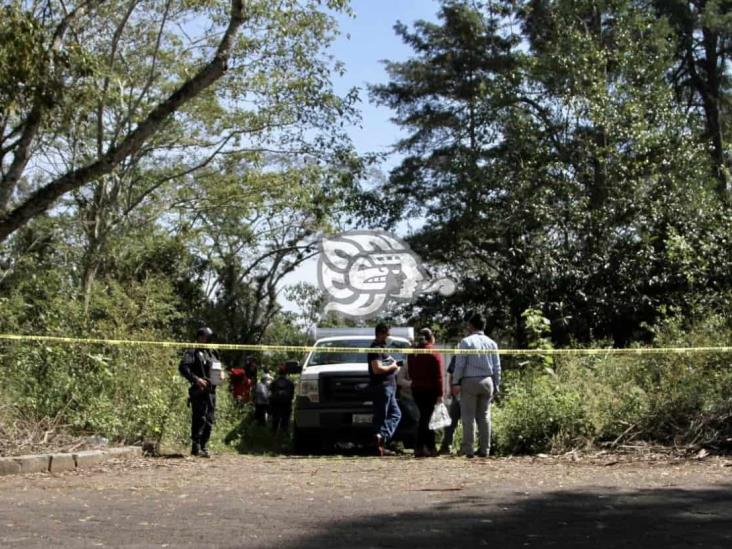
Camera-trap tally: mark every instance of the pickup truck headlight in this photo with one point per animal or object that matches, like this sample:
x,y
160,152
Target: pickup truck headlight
x,y
308,388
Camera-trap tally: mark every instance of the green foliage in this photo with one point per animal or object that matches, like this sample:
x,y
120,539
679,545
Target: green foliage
x,y
670,398
243,434
198,226
538,328
539,413
21,56
124,393
584,183
120,392
567,157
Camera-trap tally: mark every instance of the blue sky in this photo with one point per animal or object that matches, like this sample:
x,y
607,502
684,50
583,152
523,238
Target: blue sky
x,y
372,40
366,40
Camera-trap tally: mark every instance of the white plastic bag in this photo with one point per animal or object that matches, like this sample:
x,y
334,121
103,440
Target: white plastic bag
x,y
440,417
216,373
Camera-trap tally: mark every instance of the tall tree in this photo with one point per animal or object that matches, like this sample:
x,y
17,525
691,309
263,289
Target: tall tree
x,y
552,175
450,97
703,41
631,154
254,226
259,109
78,67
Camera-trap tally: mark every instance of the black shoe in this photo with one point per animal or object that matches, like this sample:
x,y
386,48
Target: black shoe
x,y
378,443
482,454
195,449
204,453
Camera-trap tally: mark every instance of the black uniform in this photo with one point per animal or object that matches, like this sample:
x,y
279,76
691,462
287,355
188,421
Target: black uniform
x,y
197,363
281,393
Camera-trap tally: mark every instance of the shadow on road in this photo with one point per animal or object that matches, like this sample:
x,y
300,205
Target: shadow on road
x,y
664,518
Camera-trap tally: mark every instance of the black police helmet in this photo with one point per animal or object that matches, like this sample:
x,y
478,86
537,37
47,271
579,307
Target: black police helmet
x,y
205,331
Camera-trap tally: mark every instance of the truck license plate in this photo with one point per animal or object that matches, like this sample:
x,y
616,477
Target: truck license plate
x,y
363,418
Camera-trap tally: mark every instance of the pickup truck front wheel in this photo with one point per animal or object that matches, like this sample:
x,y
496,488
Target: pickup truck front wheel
x,y
307,441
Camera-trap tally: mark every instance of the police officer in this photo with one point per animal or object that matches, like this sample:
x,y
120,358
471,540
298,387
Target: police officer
x,y
281,393
196,368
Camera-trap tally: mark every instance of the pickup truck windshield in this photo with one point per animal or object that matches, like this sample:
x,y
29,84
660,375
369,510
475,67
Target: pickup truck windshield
x,y
319,359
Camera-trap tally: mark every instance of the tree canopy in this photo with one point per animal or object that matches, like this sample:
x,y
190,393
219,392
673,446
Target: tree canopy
x,y
560,163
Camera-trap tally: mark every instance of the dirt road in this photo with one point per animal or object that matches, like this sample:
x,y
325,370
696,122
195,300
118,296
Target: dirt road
x,y
243,501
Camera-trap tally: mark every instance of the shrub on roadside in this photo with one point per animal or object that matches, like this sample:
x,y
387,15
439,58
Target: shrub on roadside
x,y
670,398
538,414
122,393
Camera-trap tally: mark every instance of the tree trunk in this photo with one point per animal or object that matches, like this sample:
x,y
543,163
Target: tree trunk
x,y
711,95
46,196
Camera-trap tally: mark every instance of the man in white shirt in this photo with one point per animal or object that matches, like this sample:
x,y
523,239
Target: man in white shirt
x,y
476,379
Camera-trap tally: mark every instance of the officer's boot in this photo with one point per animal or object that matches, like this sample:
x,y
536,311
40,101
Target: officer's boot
x,y
195,449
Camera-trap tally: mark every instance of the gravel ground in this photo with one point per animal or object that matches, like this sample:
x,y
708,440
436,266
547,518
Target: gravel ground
x,y
329,502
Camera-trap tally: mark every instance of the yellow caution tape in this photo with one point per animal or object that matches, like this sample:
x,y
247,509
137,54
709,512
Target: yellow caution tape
x,y
307,349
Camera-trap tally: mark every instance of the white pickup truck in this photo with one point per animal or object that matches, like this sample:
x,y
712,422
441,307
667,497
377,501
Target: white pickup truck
x,y
333,402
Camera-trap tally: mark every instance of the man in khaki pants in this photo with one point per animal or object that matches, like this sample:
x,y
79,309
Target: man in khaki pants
x,y
476,379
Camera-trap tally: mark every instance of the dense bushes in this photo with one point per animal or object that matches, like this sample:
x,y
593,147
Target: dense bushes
x,y
538,413
120,392
127,394
131,393
124,393
669,398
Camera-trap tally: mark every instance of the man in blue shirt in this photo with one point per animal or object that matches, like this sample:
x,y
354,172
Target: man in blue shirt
x,y
476,379
382,374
